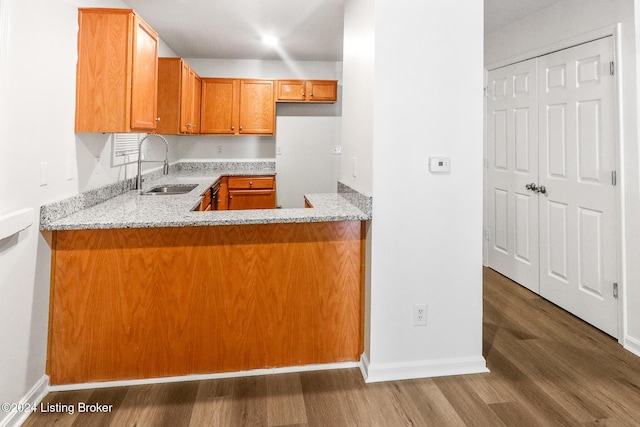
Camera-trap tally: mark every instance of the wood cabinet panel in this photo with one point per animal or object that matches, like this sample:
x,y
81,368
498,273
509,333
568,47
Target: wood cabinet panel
x,y
251,192
178,98
116,78
219,109
257,107
251,182
144,76
147,303
252,199
237,107
290,90
321,91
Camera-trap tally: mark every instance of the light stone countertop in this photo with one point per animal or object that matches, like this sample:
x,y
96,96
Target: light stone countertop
x,y
134,210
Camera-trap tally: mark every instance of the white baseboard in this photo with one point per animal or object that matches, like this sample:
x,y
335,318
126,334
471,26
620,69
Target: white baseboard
x,y
31,399
632,344
254,372
378,372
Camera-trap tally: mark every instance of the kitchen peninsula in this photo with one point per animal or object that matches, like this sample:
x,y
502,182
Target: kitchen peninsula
x,y
143,287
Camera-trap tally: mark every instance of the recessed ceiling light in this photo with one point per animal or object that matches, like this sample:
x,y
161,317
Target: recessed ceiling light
x,y
270,40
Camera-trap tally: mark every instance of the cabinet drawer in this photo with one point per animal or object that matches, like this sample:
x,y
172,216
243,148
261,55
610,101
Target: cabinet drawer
x,y
251,182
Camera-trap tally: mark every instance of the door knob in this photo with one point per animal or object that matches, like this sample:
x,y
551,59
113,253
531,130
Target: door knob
x,y
542,189
533,187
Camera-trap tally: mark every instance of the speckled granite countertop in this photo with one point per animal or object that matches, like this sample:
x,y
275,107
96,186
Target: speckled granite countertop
x,y
134,210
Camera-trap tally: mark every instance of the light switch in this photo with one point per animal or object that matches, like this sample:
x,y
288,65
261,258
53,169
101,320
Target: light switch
x,y
439,165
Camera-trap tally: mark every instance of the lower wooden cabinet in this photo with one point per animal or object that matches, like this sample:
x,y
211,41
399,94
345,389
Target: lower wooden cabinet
x,y
240,192
159,302
252,192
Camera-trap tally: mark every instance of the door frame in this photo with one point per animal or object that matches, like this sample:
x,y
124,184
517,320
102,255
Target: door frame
x,y
621,228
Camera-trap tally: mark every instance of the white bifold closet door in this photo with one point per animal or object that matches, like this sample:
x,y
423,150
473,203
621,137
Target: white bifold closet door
x,y
557,234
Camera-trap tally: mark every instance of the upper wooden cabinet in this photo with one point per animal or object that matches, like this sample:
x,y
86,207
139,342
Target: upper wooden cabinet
x,y
178,98
238,107
307,91
117,72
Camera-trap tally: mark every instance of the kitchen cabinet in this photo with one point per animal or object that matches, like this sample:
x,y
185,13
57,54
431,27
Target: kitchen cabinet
x,y
117,72
209,200
251,192
307,91
178,98
140,303
238,107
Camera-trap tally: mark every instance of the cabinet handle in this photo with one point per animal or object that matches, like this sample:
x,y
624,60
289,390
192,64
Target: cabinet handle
x,y
240,127
233,128
157,119
250,183
311,94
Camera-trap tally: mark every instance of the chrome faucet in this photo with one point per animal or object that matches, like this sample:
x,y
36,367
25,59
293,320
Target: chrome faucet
x,y
165,169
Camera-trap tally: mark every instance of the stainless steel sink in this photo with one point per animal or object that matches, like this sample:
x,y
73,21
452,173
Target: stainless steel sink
x,y
173,189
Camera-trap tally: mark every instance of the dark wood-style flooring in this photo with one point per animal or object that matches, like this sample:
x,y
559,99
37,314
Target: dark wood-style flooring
x,y
547,368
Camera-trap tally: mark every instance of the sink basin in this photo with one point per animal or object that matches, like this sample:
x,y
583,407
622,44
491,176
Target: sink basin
x,y
166,190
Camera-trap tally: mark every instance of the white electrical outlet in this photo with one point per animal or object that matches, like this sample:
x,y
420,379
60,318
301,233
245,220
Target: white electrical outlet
x,y
420,315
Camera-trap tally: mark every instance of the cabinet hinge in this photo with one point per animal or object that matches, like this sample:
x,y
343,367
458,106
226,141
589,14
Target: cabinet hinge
x,y
615,290
612,68
614,178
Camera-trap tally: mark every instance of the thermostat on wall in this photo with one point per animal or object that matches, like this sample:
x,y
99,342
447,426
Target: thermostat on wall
x,y
439,165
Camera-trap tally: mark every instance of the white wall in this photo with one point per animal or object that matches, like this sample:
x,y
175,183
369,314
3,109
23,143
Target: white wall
x,y
37,127
306,163
357,96
426,230
565,20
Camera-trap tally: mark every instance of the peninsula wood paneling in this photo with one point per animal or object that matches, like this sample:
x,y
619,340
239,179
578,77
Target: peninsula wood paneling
x,y
144,303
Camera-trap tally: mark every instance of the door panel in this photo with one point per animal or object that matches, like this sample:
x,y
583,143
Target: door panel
x,y
551,123
577,155
513,163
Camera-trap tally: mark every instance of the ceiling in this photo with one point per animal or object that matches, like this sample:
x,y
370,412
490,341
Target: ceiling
x,y
307,29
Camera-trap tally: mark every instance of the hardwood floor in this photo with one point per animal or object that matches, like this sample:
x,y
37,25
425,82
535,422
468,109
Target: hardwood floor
x,y
547,368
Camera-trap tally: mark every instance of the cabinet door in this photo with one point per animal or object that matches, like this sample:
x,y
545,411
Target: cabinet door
x,y
322,90
290,90
252,199
219,109
195,85
257,107
185,98
144,77
169,71
102,95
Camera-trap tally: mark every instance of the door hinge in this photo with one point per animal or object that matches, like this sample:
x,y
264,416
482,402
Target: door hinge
x,y
612,68
614,178
615,290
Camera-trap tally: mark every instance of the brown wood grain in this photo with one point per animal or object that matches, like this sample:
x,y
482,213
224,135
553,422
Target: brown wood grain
x,y
257,107
169,92
116,72
143,303
219,107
